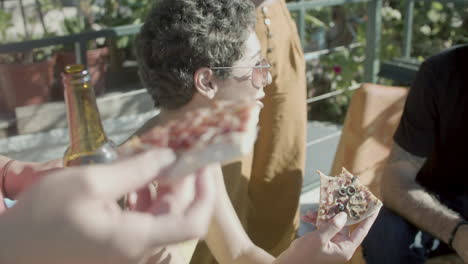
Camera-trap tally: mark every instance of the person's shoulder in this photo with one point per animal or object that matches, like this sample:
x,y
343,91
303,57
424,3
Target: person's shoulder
x,y
449,58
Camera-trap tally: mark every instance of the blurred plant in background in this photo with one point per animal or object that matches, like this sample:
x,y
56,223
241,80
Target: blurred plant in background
x,y
100,14
44,18
33,25
111,13
436,27
5,24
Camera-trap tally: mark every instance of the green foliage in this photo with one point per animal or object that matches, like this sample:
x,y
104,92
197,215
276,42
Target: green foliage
x,y
123,12
73,25
436,26
41,8
99,14
92,15
111,13
5,24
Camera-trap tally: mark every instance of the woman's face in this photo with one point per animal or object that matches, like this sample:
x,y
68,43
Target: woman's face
x,y
244,83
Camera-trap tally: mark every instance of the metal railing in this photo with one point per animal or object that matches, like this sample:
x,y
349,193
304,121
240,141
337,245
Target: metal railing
x,y
372,63
80,40
372,45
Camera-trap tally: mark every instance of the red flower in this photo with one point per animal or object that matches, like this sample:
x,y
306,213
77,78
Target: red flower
x,y
337,69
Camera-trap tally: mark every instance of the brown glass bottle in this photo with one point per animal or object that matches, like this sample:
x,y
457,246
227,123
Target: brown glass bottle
x,y
89,143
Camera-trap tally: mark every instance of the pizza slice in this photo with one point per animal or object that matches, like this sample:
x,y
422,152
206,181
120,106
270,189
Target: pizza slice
x,y
216,134
344,193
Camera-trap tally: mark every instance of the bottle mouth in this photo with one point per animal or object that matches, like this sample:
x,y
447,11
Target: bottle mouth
x,y
76,74
74,68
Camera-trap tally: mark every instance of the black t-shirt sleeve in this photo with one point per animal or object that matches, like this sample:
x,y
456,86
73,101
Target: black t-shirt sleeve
x,y
417,127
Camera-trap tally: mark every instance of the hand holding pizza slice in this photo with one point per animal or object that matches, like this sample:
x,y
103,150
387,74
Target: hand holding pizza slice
x,y
202,137
344,193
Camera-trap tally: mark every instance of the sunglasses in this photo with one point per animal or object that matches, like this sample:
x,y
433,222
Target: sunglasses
x,y
259,72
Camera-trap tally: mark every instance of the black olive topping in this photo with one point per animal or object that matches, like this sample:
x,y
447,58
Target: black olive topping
x,y
351,190
342,191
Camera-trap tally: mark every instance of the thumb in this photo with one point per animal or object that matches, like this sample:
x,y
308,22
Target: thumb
x,y
332,227
130,174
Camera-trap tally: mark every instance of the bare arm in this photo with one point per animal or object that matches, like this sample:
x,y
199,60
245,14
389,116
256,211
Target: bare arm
x,y
21,175
226,237
404,195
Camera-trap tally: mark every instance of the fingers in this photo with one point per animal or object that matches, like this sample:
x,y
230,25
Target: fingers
x,y
113,181
358,235
174,197
310,217
201,209
142,199
194,222
329,230
202,197
160,230
132,200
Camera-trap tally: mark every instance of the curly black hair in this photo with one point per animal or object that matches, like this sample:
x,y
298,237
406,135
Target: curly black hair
x,y
181,36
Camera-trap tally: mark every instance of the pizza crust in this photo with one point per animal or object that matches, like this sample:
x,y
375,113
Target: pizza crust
x,y
225,148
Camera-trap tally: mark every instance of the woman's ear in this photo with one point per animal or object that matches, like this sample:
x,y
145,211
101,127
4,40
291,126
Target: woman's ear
x,y
204,81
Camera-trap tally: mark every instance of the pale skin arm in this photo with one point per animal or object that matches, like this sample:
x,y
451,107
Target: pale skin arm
x,y
404,195
226,237
21,175
229,243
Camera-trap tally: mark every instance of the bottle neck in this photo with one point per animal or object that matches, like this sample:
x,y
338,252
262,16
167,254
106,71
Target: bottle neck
x,y
84,122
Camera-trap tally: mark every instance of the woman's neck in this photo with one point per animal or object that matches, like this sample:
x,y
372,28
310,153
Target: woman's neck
x,y
166,115
163,117
258,3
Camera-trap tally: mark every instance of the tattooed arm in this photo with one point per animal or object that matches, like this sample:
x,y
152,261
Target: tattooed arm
x,y
405,196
